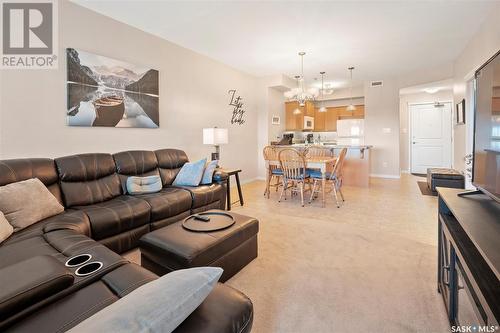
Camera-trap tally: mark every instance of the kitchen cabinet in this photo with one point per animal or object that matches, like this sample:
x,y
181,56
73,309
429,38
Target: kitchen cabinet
x,y
495,105
319,121
295,122
309,109
323,121
359,113
331,118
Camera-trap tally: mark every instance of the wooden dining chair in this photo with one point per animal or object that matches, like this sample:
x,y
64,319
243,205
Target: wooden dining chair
x,y
274,171
318,151
295,174
334,179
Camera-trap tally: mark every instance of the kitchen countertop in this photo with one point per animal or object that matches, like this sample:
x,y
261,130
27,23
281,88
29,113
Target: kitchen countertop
x,y
333,146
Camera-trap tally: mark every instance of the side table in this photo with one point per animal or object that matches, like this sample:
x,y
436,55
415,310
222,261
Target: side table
x,y
235,173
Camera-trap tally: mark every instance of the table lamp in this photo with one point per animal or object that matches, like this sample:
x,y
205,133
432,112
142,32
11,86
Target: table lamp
x,y
215,136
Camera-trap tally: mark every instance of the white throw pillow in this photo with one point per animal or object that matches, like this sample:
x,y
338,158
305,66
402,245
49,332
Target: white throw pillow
x,y
158,306
27,202
5,228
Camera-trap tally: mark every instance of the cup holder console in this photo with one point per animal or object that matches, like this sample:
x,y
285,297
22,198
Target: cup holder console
x,y
78,260
88,268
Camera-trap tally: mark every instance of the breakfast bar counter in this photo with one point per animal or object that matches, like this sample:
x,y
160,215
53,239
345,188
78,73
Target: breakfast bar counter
x,y
356,170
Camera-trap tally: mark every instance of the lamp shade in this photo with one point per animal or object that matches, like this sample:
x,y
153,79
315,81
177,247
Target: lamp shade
x,y
215,136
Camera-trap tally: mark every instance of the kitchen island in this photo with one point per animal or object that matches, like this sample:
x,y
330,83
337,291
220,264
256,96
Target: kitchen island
x,y
356,170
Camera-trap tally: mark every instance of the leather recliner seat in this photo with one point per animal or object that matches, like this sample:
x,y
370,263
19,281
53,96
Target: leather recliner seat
x,y
99,217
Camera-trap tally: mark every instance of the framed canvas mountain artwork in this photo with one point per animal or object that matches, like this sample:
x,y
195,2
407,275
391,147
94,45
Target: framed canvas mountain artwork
x,y
107,92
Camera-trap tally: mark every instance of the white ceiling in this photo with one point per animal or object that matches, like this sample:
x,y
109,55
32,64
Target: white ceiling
x,y
382,39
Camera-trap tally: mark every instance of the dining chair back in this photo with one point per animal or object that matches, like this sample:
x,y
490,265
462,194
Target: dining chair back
x,y
334,178
318,151
273,169
293,164
270,153
339,165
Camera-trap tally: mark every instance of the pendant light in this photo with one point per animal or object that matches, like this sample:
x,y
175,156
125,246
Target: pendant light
x,y
297,110
322,108
351,106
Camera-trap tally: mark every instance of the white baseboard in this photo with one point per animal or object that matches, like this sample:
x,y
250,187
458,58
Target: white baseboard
x,y
405,171
377,175
246,181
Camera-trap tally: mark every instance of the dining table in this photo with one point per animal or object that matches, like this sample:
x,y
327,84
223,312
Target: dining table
x,y
321,163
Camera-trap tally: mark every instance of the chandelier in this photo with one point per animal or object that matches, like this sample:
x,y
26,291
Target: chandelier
x,y
300,94
351,106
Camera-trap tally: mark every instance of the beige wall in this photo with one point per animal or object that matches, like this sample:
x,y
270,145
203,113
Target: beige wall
x,y
381,116
382,113
404,123
276,107
271,102
193,95
479,49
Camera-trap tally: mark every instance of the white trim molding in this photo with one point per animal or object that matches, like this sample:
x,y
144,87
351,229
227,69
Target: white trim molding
x,y
246,181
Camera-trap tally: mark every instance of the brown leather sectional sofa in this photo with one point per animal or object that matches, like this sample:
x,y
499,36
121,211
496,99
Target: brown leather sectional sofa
x,y
39,293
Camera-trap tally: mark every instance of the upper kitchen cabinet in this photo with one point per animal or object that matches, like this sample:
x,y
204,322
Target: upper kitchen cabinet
x,y
359,113
331,118
295,122
325,121
309,109
319,121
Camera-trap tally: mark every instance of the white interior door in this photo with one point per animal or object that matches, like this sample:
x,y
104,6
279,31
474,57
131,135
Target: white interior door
x,y
430,136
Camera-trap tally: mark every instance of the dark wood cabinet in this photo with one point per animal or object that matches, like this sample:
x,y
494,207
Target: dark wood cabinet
x,y
469,259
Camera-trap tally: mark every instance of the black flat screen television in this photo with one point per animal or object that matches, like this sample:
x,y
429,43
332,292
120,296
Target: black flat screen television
x,y
486,166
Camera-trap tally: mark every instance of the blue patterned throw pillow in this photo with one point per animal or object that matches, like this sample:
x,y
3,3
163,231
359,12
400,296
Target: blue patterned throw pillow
x,y
143,185
191,174
209,172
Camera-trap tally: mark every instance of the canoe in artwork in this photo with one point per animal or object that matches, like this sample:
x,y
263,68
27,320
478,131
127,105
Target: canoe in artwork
x,y
108,111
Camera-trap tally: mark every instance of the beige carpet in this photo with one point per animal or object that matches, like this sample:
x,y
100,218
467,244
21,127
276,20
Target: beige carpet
x,y
369,266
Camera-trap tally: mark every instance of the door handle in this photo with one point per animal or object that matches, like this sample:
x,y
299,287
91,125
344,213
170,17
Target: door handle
x,y
414,142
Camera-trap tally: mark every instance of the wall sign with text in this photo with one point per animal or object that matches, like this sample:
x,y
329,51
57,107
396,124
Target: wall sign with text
x,y
237,104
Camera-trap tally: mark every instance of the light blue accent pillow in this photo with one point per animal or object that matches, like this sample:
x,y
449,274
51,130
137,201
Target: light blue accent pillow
x,y
190,174
142,185
209,172
158,306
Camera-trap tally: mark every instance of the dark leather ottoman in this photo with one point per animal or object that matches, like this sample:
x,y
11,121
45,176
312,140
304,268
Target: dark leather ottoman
x,y
443,177
173,247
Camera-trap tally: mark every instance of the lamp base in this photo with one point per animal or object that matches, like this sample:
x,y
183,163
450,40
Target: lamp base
x,y
215,156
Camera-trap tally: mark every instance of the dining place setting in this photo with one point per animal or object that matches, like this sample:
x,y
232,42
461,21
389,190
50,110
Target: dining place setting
x,y
314,171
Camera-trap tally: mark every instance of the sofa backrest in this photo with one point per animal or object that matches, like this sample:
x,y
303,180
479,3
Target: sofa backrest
x,y
170,161
140,163
17,170
88,179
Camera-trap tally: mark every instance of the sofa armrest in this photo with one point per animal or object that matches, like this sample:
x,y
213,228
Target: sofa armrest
x,y
27,282
220,176
71,219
